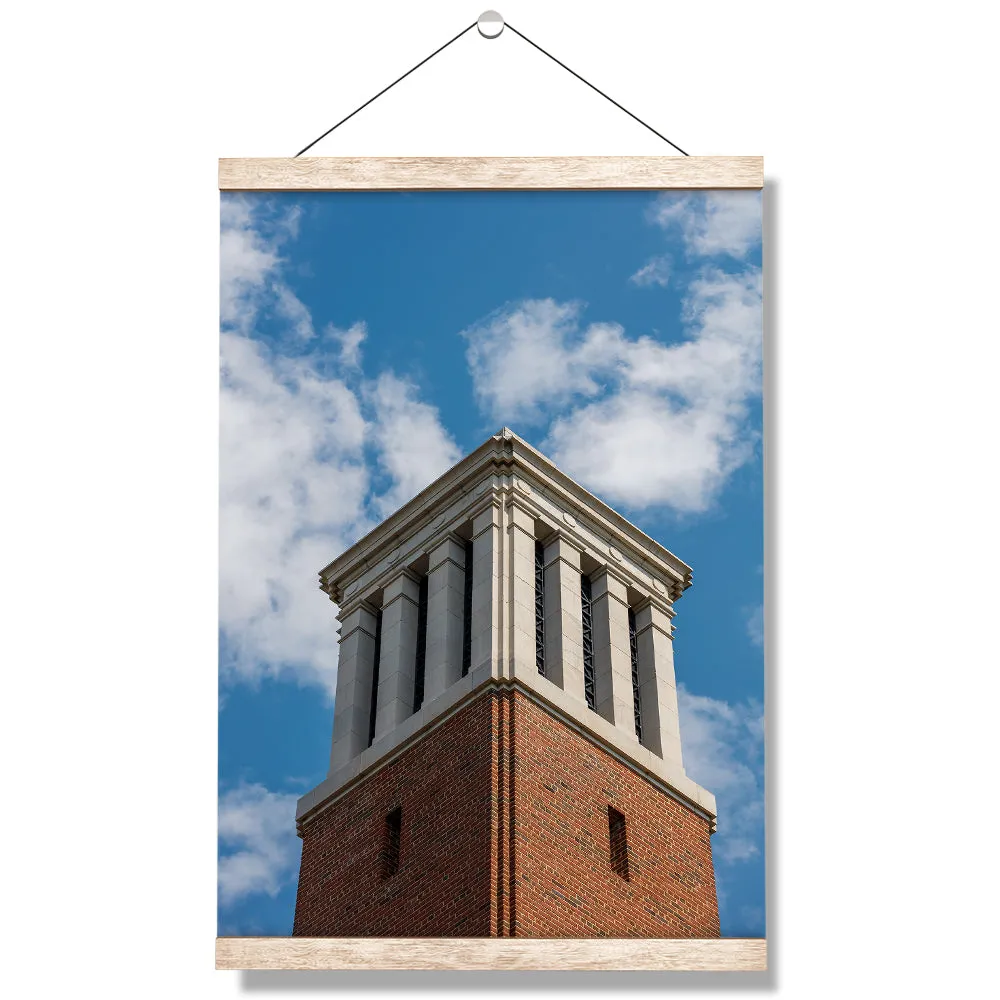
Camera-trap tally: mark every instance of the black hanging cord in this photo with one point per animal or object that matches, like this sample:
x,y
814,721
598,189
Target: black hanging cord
x,y
384,89
530,42
507,24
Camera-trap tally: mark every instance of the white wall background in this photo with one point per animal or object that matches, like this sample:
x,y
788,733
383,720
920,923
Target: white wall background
x,y
876,125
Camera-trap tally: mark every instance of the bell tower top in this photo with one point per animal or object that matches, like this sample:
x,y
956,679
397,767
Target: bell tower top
x,y
505,573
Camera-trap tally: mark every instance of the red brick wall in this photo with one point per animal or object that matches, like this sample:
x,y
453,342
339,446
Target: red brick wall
x,y
442,888
505,833
565,883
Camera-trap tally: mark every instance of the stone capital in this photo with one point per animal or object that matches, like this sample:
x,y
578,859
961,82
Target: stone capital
x,y
519,506
405,584
451,547
487,517
362,616
561,547
649,614
346,608
608,583
520,514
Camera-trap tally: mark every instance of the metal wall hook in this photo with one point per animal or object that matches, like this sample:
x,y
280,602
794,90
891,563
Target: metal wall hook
x,y
490,24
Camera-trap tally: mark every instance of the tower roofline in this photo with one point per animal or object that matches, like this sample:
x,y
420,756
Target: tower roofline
x,y
505,452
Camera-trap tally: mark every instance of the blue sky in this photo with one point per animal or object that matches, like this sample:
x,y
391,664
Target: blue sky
x,y
369,340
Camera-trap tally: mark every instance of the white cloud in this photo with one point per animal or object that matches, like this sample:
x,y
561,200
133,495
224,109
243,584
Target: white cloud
x,y
638,448
674,430
245,261
657,423
413,447
291,308
308,460
531,356
714,224
655,272
717,223
292,493
250,265
350,341
259,828
723,746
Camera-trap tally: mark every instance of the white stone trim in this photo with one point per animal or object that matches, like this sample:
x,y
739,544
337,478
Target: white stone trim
x,y
497,463
434,714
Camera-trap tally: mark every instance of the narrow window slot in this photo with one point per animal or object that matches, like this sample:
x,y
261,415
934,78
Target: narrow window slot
x,y
540,607
633,645
421,658
374,697
467,612
589,684
618,843
390,851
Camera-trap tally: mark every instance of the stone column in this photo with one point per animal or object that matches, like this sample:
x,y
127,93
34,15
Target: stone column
x,y
399,652
445,600
661,731
521,583
486,589
563,617
612,656
354,685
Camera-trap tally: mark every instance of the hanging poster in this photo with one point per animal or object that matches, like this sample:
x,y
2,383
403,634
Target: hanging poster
x,y
491,558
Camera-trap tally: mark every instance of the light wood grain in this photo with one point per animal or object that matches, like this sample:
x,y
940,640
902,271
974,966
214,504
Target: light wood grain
x,y
717,954
470,173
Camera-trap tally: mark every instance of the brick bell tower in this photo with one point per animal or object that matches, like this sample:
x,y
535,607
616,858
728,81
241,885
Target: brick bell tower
x,y
506,756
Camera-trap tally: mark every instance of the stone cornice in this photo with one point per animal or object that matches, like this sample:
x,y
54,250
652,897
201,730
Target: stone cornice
x,y
501,457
